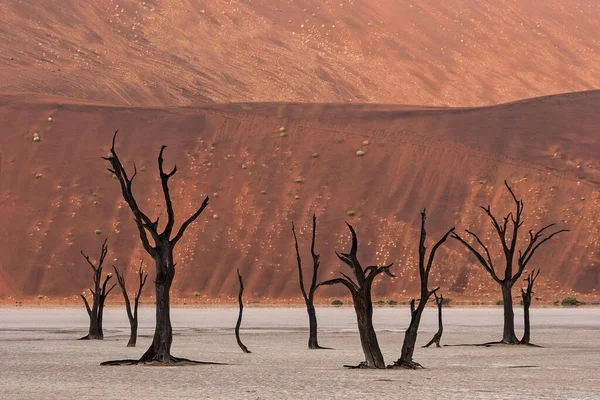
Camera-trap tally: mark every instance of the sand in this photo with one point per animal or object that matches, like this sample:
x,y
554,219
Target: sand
x,y
450,161
440,52
42,359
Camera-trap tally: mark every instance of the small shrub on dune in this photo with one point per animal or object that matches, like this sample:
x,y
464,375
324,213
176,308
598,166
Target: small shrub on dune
x,y
569,301
337,303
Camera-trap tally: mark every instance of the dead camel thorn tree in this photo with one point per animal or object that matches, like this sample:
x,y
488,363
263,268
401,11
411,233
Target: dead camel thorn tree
x,y
526,295
439,302
309,297
239,320
508,239
132,316
99,294
363,304
425,264
161,252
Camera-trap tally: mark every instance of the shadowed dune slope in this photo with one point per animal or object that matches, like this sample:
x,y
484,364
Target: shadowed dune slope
x,y
448,160
440,52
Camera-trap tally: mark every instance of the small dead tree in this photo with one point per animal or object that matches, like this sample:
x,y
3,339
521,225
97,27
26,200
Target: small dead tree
x,y
508,239
161,252
309,297
239,320
99,294
410,337
439,302
526,295
132,316
363,304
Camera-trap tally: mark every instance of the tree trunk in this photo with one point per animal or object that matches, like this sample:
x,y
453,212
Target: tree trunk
x,y
527,328
368,338
239,320
508,335
133,334
95,330
160,349
410,338
438,336
312,325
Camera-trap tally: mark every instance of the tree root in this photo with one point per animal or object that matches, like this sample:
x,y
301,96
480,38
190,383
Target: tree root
x,y
362,365
490,344
87,337
321,348
402,364
174,361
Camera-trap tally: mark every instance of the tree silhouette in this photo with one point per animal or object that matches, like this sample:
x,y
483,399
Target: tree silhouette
x,y
363,304
161,252
425,264
439,302
99,294
309,297
239,320
508,239
526,295
132,315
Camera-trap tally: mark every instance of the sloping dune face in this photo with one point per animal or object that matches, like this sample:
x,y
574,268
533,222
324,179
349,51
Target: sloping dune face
x,y
448,160
442,53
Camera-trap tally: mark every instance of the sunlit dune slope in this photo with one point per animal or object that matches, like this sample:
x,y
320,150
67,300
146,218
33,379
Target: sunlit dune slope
x,y
448,160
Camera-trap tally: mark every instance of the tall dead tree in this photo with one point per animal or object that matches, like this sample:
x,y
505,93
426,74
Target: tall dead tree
x,y
99,294
132,315
161,251
363,304
508,239
439,302
239,320
410,337
309,297
526,295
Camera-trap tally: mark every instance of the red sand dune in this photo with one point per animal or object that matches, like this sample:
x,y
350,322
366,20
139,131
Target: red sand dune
x,y
448,160
440,52
156,69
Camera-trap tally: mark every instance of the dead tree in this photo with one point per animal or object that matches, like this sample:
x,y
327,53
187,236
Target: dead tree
x,y
508,239
161,252
132,316
99,294
363,305
439,302
410,337
309,297
526,295
239,320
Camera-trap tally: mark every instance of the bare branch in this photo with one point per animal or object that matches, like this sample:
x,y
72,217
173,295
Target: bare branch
x,y
524,260
487,251
435,248
501,233
350,280
125,182
478,255
87,305
164,179
188,222
299,262
315,257
343,281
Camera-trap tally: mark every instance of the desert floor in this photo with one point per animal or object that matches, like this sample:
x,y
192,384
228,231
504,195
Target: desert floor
x,y
41,357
